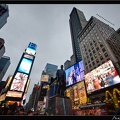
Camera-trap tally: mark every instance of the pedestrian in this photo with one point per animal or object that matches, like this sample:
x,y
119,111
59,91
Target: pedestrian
x,y
30,113
61,79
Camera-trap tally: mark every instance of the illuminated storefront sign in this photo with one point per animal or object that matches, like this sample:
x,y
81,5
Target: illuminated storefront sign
x,y
44,78
14,94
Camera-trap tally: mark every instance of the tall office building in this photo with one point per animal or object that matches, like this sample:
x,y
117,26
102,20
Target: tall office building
x,y
99,43
4,64
4,14
77,22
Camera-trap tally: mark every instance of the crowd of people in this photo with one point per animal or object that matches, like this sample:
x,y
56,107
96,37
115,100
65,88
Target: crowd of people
x,y
16,110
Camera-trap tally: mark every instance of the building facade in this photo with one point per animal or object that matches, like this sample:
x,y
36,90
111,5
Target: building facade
x,y
96,43
4,14
77,22
4,64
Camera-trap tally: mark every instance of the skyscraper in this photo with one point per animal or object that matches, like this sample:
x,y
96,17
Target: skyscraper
x,y
4,64
99,43
77,22
51,70
4,13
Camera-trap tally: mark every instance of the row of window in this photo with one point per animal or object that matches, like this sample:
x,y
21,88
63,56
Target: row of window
x,y
92,65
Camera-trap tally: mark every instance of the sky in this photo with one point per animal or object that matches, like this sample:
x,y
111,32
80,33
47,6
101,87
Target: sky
x,y
46,25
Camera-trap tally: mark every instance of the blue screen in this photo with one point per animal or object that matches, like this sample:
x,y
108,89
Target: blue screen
x,y
74,74
25,65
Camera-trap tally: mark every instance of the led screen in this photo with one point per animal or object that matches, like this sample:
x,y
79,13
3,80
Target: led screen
x,y
14,94
30,51
28,56
74,74
25,65
19,82
32,45
101,77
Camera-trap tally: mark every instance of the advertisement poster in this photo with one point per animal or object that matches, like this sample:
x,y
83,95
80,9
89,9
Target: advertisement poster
x,y
82,93
75,74
76,96
19,82
101,77
25,65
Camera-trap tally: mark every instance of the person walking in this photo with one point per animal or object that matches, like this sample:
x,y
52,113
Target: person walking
x,y
61,79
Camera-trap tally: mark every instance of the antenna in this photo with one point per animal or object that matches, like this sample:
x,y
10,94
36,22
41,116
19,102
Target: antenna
x,y
106,20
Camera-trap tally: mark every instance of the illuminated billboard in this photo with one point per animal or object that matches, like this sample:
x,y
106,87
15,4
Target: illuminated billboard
x,y
14,94
101,77
44,78
82,92
28,56
19,82
31,49
25,65
74,74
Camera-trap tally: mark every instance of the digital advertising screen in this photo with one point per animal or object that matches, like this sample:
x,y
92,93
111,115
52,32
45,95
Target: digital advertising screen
x,y
30,51
75,73
82,92
25,65
32,45
19,82
14,94
101,77
28,56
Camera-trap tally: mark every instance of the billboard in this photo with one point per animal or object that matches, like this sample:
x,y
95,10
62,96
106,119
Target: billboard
x,y
25,65
101,77
74,74
31,49
19,82
14,94
28,56
44,78
82,93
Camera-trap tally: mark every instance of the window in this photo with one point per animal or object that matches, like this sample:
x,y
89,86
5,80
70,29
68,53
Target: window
x,y
89,50
93,63
97,48
90,54
106,54
97,60
103,50
90,65
95,55
99,53
93,51
91,58
101,45
101,58
90,43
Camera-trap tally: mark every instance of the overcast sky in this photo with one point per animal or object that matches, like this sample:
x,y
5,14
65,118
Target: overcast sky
x,y
46,25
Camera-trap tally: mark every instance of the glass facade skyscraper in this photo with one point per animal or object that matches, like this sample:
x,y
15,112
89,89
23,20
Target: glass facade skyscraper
x,y
77,22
